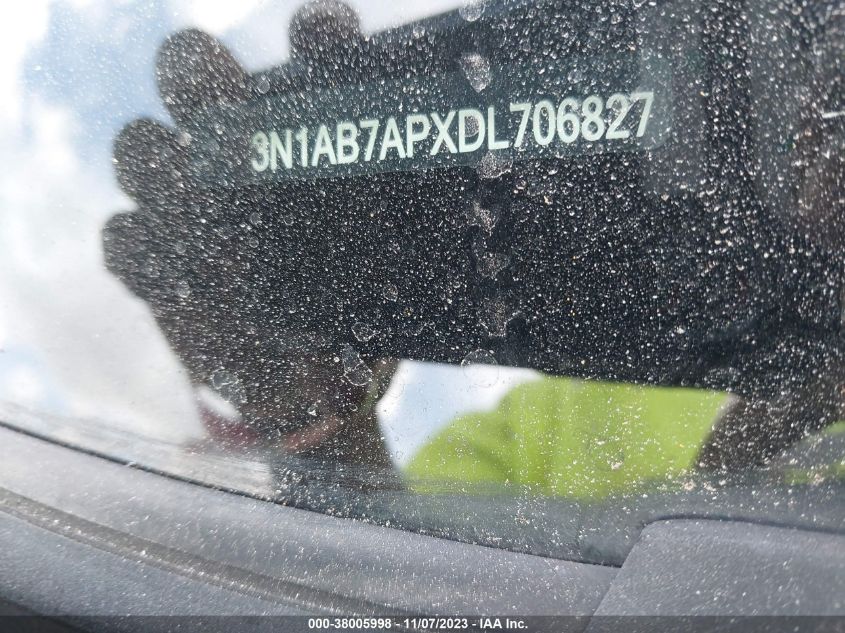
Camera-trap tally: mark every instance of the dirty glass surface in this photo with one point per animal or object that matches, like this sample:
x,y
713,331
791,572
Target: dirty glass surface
x,y
524,274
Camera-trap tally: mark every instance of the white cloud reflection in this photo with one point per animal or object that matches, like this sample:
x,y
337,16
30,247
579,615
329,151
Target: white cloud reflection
x,y
73,340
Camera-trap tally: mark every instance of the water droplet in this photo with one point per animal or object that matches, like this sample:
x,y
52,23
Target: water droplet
x,y
355,370
183,289
262,85
219,378
363,332
184,139
493,165
288,219
472,10
228,386
479,357
418,32
476,68
312,409
480,368
390,292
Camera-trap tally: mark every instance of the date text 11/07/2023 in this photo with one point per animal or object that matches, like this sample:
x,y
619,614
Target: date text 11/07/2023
x,y
619,117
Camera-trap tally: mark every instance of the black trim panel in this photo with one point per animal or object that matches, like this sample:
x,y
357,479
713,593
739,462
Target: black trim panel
x,y
347,563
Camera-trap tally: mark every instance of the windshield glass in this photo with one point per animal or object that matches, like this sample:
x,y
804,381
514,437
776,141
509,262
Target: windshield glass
x,y
517,273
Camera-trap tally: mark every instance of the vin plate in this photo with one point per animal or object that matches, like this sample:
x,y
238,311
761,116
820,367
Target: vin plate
x,y
484,116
